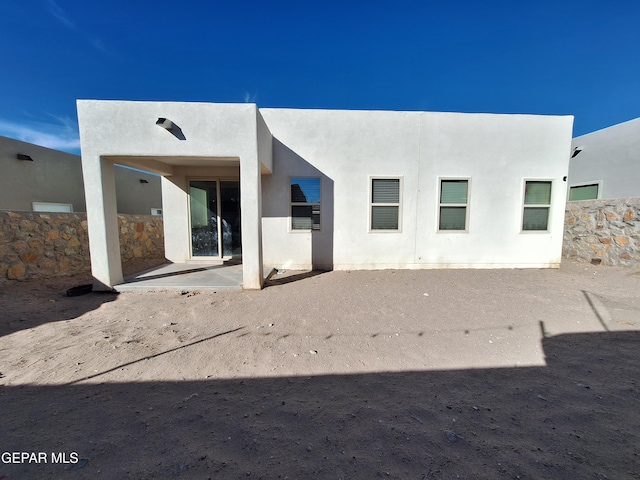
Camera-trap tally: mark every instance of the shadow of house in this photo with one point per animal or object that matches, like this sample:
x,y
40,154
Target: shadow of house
x,y
575,418
272,280
305,249
46,306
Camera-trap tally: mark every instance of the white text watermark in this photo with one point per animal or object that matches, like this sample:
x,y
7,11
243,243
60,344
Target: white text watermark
x,y
40,457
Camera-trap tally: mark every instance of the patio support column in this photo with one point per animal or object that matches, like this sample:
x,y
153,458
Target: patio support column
x,y
175,202
251,207
102,221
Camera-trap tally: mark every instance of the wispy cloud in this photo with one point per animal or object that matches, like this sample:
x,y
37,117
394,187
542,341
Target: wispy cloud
x,y
61,135
99,45
250,97
60,14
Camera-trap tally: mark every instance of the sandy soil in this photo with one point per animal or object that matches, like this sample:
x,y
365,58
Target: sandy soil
x,y
439,374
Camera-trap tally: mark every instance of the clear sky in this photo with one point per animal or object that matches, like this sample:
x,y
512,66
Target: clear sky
x,y
512,56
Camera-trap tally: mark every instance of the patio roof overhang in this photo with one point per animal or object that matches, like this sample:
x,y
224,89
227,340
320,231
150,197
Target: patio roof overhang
x,y
163,165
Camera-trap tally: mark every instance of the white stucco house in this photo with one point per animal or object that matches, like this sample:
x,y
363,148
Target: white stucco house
x,y
331,189
606,163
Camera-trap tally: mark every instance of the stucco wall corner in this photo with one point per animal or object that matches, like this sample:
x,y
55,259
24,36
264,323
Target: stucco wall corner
x,y
265,144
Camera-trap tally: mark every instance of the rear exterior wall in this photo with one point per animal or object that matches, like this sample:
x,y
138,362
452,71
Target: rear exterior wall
x,y
496,153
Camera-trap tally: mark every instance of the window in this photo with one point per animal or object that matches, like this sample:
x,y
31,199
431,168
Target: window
x,y
537,201
305,203
584,192
52,207
156,211
385,204
454,196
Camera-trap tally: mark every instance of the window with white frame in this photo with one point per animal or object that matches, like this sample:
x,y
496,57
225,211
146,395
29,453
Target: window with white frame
x,y
305,203
537,203
584,192
454,205
385,204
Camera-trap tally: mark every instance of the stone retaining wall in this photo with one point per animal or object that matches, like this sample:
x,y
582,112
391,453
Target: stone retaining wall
x,y
603,232
41,245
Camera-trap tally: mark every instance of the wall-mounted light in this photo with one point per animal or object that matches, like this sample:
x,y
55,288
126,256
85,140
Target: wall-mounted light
x,y
576,151
171,127
142,180
22,156
165,123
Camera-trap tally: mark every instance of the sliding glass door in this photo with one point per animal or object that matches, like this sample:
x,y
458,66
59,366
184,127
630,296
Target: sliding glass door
x,y
215,215
230,218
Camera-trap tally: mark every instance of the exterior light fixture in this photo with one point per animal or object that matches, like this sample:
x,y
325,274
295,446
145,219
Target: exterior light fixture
x,y
142,180
165,123
576,151
22,156
171,127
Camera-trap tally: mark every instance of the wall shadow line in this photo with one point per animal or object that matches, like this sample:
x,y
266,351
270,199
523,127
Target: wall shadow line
x,y
272,281
155,355
587,295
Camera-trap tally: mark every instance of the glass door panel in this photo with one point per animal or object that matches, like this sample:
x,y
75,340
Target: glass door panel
x,y
203,203
230,214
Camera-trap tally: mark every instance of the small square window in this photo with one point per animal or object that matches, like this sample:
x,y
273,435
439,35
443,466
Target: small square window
x,y
454,197
537,202
305,203
385,204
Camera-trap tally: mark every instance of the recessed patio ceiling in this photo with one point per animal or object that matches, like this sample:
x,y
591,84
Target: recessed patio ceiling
x,y
163,165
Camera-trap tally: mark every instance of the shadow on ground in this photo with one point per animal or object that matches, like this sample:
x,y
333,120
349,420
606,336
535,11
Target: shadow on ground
x,y
47,304
47,298
290,277
578,417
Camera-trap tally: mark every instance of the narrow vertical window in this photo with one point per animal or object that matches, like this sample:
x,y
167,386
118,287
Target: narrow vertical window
x,y
537,202
385,204
454,195
305,203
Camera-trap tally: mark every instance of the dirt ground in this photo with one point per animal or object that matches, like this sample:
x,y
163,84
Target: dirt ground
x,y
436,374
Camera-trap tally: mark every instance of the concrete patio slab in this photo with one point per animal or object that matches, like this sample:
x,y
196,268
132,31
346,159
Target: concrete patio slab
x,y
185,276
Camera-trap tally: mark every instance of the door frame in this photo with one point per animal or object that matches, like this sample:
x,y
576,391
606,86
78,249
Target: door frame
x,y
217,179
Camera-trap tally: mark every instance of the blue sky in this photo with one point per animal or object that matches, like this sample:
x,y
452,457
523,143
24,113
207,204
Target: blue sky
x,y
542,57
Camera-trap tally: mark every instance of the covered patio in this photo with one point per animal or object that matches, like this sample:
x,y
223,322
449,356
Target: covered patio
x,y
188,145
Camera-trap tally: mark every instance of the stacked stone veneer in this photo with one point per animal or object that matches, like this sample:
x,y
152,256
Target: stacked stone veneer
x,y
40,245
603,232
